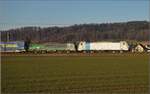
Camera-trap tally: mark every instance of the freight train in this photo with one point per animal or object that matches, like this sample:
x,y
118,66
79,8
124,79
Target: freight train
x,y
82,46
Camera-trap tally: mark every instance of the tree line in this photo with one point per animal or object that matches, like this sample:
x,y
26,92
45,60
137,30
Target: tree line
x,y
133,30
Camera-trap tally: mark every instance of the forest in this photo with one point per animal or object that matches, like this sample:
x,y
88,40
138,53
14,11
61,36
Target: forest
x,y
132,30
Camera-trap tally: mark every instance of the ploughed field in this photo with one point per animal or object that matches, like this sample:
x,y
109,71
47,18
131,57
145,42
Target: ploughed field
x,y
101,74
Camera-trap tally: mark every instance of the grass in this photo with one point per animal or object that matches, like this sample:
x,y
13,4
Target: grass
x,y
103,74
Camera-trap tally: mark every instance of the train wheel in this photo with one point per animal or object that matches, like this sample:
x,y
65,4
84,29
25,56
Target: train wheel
x,y
84,51
121,51
113,52
91,52
68,52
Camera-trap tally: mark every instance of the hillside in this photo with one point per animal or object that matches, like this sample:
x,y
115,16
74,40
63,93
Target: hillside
x,y
133,30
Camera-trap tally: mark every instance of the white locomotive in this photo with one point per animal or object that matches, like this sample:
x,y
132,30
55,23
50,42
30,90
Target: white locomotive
x,y
103,46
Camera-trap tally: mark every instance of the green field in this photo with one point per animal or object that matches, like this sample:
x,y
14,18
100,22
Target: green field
x,y
102,74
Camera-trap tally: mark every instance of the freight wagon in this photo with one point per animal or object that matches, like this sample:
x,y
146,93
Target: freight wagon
x,y
52,47
17,46
103,46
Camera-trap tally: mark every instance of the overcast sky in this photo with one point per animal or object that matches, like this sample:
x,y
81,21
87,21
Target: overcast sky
x,y
17,13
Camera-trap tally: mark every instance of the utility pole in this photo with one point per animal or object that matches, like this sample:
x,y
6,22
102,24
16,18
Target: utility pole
x,y
7,36
7,40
